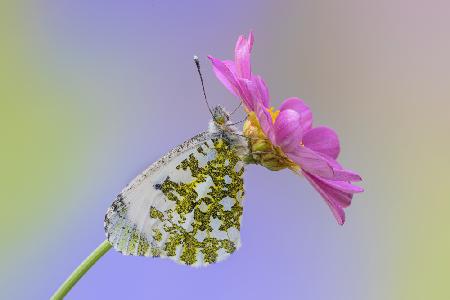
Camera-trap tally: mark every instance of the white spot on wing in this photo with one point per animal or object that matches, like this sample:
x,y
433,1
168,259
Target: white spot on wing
x,y
203,207
175,218
200,235
227,203
219,234
180,175
178,252
203,188
187,225
233,234
239,165
215,223
202,159
221,254
200,259
216,233
212,153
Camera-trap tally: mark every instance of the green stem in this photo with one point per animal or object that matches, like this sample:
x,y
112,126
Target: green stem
x,y
81,270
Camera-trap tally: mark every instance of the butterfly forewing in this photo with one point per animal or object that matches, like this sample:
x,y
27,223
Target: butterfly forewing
x,y
187,206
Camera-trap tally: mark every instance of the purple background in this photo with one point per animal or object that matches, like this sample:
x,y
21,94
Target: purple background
x,y
97,90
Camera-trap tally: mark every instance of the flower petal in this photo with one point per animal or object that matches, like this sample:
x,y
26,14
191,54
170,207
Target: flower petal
x,y
263,91
335,199
303,109
311,162
265,121
346,175
288,131
225,72
323,140
242,56
249,93
343,186
339,173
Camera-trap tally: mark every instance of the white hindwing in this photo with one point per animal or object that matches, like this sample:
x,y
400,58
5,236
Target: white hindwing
x,y
187,206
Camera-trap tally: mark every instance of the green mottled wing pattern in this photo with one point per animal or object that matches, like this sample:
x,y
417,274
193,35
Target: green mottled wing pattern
x,y
186,207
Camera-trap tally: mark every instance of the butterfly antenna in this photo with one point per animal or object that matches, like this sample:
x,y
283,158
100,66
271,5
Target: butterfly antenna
x,y
197,63
241,121
240,104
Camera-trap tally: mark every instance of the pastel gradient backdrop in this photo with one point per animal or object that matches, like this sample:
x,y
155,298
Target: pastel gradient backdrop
x,y
94,91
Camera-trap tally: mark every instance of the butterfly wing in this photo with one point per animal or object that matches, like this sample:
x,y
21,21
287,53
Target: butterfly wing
x,y
187,206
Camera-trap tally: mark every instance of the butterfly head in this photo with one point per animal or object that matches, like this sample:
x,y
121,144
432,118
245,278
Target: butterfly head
x,y
220,115
222,125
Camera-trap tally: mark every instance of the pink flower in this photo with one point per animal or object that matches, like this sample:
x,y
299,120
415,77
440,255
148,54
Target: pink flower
x,y
286,137
237,76
313,150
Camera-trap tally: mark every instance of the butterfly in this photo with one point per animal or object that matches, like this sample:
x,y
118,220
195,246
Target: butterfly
x,y
187,206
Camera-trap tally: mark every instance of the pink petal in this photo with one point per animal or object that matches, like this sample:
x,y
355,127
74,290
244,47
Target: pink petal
x,y
265,121
311,162
287,130
263,91
242,56
339,173
303,109
321,165
343,186
225,72
251,40
243,42
231,66
323,140
249,93
335,199
346,175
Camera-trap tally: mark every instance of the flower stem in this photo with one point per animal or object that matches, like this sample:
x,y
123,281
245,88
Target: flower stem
x,y
81,270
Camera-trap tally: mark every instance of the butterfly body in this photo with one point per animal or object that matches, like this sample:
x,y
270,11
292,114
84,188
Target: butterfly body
x,y
187,206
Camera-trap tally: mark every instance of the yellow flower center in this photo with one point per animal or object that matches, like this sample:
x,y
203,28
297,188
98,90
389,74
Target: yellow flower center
x,y
274,113
263,152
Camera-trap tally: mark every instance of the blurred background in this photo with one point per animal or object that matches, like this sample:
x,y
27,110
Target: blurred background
x,y
92,92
